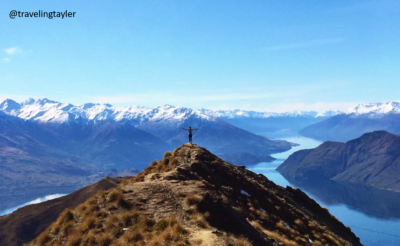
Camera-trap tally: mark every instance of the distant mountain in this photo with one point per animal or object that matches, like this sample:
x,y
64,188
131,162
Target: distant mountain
x,y
268,123
69,150
375,110
358,120
237,113
164,122
46,144
35,161
29,154
373,160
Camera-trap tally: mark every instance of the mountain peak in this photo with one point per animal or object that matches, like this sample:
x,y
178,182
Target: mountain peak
x,y
375,110
29,101
9,105
192,194
44,101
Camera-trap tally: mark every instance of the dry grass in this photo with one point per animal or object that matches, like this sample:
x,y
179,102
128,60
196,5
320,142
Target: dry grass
x,y
295,235
66,228
129,218
257,225
200,220
43,238
65,216
88,224
115,196
193,199
169,232
163,224
168,163
280,238
104,240
243,242
116,199
74,239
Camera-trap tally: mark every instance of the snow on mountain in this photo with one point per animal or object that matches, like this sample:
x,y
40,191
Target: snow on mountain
x,y
375,110
237,113
328,113
45,110
9,106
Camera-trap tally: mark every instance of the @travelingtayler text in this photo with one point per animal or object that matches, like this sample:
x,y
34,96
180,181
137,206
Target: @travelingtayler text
x,y
42,14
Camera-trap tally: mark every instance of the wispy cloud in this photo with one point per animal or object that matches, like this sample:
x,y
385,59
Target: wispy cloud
x,y
301,45
13,50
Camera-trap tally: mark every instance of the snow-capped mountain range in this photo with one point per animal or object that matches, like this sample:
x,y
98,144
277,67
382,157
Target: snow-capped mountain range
x,y
237,113
122,136
45,110
372,110
375,110
358,120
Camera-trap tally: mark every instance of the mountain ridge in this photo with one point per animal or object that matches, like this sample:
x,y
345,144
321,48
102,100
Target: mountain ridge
x,y
192,197
356,121
50,145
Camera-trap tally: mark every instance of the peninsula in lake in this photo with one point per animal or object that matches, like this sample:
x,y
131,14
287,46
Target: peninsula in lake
x,y
372,160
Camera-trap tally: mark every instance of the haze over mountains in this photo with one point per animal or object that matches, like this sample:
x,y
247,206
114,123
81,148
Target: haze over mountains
x,y
331,125
271,124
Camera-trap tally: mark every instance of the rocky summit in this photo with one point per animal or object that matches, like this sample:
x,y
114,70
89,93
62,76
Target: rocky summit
x,y
192,197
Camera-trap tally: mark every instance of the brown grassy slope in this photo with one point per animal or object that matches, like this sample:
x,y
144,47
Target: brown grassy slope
x,y
192,197
28,222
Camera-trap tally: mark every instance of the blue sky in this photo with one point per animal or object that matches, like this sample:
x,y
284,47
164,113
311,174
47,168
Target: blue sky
x,y
262,55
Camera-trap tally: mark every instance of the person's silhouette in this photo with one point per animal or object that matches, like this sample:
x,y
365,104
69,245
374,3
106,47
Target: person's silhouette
x,y
190,130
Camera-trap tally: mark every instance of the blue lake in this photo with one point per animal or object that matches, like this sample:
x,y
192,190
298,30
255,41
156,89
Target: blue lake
x,y
372,214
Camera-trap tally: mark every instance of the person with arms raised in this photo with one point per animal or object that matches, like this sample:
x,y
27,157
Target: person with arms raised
x,y
190,130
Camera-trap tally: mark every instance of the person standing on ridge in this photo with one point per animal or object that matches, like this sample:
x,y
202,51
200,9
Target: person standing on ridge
x,y
190,130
